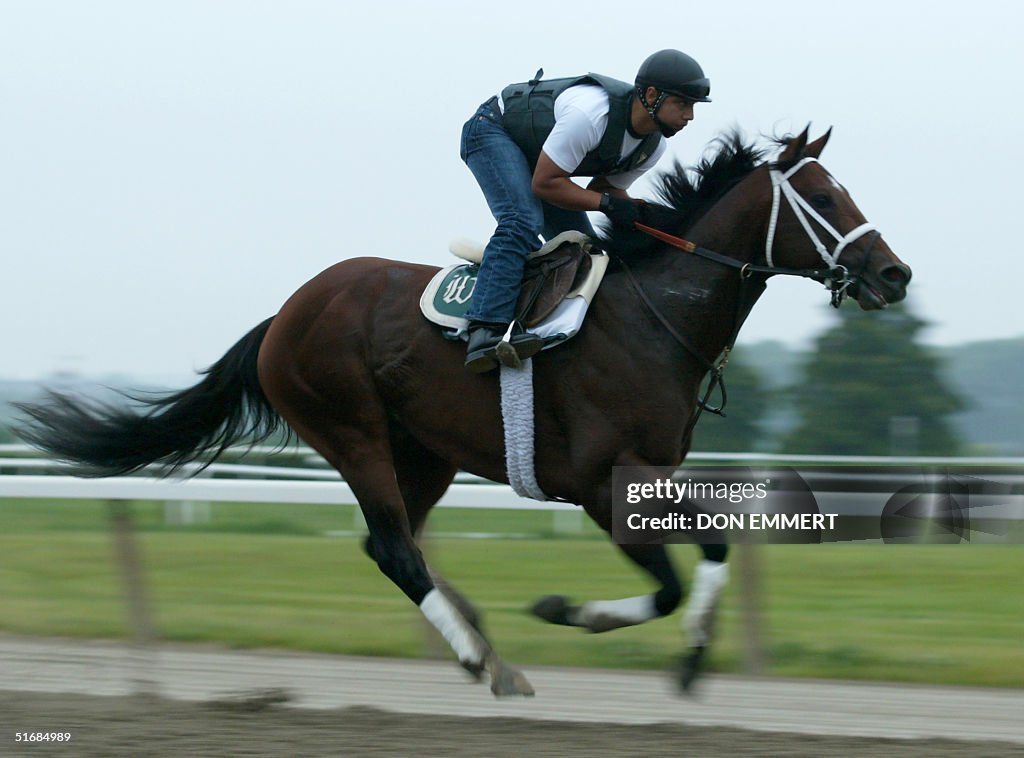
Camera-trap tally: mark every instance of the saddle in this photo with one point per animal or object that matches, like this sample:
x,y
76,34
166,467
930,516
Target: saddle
x,y
548,279
558,284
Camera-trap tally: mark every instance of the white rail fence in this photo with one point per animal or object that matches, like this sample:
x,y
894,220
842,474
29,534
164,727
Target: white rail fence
x,y
187,499
319,485
247,483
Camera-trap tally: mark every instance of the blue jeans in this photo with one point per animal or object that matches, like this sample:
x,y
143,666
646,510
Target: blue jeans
x,y
503,173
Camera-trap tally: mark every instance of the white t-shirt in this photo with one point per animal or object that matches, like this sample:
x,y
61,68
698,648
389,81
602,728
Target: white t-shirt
x,y
581,117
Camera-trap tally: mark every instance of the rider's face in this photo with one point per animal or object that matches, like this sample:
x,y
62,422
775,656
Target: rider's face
x,y
676,112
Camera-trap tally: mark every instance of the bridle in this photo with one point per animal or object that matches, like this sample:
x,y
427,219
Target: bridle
x,y
836,276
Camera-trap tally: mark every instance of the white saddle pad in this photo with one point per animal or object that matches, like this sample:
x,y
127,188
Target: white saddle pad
x,y
446,299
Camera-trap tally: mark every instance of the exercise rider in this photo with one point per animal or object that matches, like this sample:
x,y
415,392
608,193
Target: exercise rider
x,y
524,145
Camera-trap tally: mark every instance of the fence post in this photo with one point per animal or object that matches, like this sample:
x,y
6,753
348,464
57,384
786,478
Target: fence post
x,y
129,564
749,565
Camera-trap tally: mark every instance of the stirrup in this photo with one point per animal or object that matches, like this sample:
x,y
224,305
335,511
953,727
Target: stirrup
x,y
517,346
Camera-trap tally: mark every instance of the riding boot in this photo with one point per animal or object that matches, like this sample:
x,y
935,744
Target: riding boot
x,y
487,346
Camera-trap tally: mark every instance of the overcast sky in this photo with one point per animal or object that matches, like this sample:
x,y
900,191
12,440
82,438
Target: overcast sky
x,y
170,172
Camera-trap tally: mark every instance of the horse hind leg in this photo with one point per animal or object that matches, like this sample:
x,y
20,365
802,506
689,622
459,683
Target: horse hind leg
x,y
392,546
423,478
341,415
462,604
368,467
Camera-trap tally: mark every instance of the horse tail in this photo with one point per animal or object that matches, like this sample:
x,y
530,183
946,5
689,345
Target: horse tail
x,y
101,439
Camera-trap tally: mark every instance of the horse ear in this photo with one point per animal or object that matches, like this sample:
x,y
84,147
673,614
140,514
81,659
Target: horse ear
x,y
814,149
794,148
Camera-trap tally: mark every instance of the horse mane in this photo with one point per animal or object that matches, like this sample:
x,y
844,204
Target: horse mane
x,y
685,195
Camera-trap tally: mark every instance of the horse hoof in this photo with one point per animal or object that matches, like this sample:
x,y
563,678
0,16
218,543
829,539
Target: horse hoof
x,y
554,609
507,681
690,668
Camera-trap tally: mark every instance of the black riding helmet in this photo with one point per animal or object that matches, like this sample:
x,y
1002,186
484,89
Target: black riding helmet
x,y
671,73
675,73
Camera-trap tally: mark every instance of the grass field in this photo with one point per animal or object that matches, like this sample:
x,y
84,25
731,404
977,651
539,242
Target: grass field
x,y
266,576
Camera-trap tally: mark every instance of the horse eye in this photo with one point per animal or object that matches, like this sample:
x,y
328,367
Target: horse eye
x,y
822,201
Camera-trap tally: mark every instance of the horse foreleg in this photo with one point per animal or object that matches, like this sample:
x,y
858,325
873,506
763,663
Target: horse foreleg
x,y
709,579
605,615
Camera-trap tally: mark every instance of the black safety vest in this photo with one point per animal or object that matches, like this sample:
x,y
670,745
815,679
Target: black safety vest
x,y
529,117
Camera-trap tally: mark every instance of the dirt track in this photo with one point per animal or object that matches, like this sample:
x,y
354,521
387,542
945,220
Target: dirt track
x,y
115,726
248,703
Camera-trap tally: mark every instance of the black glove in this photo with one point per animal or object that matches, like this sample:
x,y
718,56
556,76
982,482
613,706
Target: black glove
x,y
623,211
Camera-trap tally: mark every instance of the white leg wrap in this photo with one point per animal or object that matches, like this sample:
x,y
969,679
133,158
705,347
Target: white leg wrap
x,y
602,615
709,579
453,627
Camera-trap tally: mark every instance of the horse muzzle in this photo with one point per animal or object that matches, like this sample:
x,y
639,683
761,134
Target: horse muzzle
x,y
878,288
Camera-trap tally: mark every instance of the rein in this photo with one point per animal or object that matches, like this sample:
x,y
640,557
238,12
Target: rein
x,y
745,269
836,277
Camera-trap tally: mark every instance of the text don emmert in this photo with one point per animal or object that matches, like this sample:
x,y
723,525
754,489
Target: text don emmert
x,y
677,521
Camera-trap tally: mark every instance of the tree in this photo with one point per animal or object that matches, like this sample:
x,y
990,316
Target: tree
x,y
871,389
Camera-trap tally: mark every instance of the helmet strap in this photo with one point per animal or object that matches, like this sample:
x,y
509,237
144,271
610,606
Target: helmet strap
x,y
652,109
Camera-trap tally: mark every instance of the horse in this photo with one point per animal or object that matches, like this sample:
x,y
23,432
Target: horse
x,y
351,366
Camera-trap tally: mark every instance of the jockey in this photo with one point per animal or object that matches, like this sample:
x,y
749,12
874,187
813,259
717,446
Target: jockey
x,y
524,145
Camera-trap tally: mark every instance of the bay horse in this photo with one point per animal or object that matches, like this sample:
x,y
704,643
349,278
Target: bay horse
x,y
351,366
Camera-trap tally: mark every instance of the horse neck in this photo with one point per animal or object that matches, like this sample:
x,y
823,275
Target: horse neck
x,y
701,297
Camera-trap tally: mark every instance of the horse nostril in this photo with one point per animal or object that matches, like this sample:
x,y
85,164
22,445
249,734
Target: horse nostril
x,y
898,273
